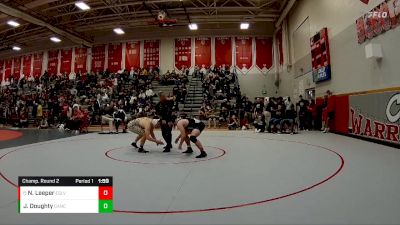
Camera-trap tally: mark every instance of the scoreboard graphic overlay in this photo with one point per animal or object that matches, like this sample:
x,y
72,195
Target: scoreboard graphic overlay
x,y
65,195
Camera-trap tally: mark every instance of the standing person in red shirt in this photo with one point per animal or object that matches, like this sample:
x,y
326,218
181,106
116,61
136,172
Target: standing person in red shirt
x,y
328,113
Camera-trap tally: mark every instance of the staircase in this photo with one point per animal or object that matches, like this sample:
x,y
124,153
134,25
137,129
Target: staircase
x,y
194,98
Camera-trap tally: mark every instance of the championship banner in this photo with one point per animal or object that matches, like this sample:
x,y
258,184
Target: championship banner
x,y
376,116
26,65
114,57
80,60
132,56
264,54
223,51
17,68
361,35
202,57
52,62
394,12
37,64
66,61
244,53
98,58
7,69
151,54
183,53
382,18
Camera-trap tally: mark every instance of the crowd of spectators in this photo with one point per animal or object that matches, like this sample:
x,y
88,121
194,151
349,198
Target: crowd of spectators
x,y
72,100
69,101
223,103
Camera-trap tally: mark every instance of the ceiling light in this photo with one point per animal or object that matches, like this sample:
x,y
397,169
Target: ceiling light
x,y
82,5
13,23
16,48
119,31
55,39
244,26
193,26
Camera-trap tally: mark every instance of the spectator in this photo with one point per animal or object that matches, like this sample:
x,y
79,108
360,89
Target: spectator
x,y
43,123
259,123
23,118
313,114
328,114
211,116
233,123
276,118
76,120
302,110
120,118
289,119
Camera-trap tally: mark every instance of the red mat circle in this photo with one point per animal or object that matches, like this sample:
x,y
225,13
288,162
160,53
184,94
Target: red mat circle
x,y
194,160
323,181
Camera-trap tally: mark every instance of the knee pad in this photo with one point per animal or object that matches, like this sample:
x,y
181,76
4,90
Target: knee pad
x,y
193,139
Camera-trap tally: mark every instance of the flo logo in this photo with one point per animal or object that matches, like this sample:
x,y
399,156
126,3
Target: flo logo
x,y
378,15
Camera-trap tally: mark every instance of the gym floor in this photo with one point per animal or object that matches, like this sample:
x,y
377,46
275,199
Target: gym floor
x,y
248,178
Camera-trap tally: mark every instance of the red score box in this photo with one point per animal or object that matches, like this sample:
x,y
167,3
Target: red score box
x,y
105,193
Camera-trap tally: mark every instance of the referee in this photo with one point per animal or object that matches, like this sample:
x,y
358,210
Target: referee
x,y
164,109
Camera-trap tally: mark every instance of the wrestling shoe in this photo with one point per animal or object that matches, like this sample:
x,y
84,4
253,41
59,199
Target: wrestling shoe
x,y
141,150
188,151
202,155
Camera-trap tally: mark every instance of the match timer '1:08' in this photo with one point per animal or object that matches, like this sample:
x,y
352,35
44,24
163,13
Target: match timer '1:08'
x,y
65,194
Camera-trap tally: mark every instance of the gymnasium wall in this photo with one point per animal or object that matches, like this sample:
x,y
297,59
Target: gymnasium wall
x,y
253,83
352,73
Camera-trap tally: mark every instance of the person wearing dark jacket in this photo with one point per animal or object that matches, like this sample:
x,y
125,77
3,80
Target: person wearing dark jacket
x,y
289,118
276,118
164,109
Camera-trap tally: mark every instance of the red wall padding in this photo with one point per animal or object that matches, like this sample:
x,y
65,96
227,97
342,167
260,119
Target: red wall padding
x,y
341,109
341,122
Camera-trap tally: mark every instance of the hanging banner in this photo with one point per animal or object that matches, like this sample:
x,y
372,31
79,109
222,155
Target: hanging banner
x,y
98,58
26,65
114,57
52,62
394,12
382,18
37,64
183,53
223,51
80,60
17,68
202,57
376,116
264,54
151,56
361,35
66,61
7,68
132,56
244,53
